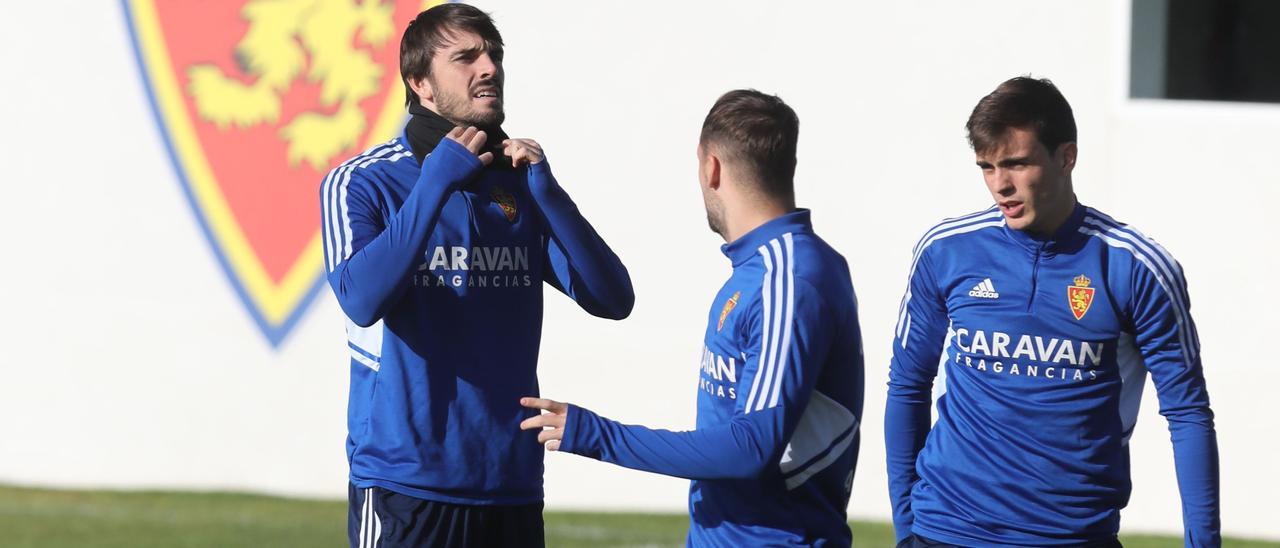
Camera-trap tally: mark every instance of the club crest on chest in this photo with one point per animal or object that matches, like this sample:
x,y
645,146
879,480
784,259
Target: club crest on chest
x,y
505,201
729,305
1080,296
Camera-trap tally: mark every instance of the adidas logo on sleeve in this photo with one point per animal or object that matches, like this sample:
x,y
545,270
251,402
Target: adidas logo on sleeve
x,y
984,290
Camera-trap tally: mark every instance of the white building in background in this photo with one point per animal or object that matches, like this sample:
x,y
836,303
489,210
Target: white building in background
x,y
132,362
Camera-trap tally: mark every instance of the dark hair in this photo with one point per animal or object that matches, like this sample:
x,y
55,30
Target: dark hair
x,y
431,30
758,132
1022,102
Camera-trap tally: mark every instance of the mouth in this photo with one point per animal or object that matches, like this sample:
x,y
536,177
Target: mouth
x,y
1011,208
487,92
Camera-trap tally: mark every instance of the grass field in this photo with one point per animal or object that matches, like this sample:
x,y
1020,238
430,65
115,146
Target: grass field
x,y
49,518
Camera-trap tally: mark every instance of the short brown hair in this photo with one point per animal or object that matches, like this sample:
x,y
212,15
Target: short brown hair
x,y
1022,102
430,30
758,132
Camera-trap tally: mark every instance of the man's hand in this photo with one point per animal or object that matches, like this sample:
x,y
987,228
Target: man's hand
x,y
473,139
522,151
551,423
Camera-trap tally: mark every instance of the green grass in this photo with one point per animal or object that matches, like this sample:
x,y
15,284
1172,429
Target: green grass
x,y
51,518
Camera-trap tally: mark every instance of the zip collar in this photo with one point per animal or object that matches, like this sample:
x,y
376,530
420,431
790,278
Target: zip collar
x,y
1066,238
746,246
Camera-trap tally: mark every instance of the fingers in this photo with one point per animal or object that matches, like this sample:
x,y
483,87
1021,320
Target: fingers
x,y
530,144
477,139
470,137
522,151
508,149
551,435
462,135
542,421
486,158
545,405
524,142
546,436
550,425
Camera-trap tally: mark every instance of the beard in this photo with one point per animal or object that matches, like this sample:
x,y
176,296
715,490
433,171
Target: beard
x,y
458,108
715,218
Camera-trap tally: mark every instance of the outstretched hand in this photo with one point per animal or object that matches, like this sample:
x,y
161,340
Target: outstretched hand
x,y
473,139
551,423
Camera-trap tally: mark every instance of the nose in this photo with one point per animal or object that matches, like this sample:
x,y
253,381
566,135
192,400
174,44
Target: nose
x,y
486,65
1001,182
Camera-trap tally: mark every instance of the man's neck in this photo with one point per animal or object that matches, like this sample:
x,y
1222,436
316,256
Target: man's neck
x,y
426,128
746,217
1054,221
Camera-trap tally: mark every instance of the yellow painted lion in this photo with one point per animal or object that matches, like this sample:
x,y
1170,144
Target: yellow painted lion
x,y
291,39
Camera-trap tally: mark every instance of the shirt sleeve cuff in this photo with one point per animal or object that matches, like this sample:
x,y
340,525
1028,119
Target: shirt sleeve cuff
x,y
579,432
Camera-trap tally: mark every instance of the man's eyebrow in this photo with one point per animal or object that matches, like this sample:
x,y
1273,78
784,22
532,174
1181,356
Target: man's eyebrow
x,y
1015,160
1005,161
473,50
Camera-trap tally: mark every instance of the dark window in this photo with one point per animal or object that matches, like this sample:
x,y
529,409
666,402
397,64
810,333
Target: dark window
x,y
1208,50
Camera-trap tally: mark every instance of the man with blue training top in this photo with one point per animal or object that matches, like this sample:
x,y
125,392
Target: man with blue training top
x,y
1048,316
781,378
437,245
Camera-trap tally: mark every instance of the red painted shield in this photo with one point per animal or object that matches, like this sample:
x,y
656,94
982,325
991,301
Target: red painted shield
x,y
257,101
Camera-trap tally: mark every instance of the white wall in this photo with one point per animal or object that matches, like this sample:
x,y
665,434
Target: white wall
x,y
131,363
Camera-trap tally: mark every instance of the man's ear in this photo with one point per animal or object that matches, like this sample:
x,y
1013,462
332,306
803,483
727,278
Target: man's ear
x,y
422,87
1066,157
710,166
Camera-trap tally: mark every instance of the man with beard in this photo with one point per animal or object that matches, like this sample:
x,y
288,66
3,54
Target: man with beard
x,y
437,244
780,389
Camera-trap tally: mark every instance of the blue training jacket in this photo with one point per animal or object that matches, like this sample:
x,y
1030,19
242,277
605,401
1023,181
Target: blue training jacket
x,y
439,268
1046,344
779,400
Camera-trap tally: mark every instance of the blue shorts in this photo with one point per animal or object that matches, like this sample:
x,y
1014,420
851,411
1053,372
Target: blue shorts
x,y
378,518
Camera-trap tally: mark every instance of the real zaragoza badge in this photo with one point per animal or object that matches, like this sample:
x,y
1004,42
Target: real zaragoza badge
x,y
1080,296
729,305
256,101
505,201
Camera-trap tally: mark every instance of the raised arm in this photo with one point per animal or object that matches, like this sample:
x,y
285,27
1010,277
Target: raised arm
x,y
369,262
579,262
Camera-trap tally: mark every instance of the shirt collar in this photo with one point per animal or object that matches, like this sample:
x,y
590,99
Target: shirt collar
x,y
747,245
1064,238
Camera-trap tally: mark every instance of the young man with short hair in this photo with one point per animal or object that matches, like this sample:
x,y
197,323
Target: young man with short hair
x,y
1048,315
781,381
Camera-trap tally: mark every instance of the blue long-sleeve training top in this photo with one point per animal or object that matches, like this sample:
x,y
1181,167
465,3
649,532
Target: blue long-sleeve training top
x,y
779,400
1047,343
439,269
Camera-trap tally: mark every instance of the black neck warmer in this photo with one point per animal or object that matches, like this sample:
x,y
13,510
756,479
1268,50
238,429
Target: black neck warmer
x,y
426,129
